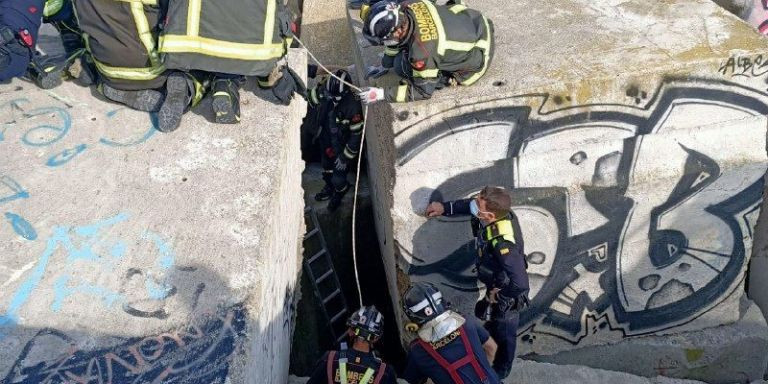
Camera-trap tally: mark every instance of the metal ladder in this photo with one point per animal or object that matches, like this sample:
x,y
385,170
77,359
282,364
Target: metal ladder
x,y
319,268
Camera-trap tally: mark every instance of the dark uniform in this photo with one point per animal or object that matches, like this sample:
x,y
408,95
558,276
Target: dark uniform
x,y
352,367
458,358
448,44
339,128
501,265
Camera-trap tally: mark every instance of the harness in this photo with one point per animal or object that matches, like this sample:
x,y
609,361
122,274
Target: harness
x,y
453,368
343,373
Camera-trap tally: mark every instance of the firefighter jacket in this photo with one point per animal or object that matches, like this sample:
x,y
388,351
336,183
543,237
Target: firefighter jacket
x,y
120,37
342,123
349,366
446,41
241,37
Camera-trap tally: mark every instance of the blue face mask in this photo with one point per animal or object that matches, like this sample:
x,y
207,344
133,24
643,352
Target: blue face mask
x,y
473,208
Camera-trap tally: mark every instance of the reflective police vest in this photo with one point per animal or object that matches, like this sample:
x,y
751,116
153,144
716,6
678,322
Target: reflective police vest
x,y
244,37
453,368
120,37
343,372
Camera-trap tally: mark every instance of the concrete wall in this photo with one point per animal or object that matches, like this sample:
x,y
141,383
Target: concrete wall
x,y
132,256
636,160
325,31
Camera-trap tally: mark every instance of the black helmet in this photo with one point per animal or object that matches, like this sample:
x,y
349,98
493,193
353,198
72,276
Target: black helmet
x,y
423,302
366,323
335,87
380,21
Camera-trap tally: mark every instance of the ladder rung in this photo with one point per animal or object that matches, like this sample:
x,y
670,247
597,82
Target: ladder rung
x,y
316,256
324,276
311,233
338,315
331,296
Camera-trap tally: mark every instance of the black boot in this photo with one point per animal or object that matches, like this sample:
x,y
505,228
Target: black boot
x,y
338,195
45,71
177,97
325,193
146,100
226,101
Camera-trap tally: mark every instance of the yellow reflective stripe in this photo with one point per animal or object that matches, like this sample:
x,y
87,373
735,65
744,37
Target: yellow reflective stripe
x,y
356,127
427,73
140,74
486,46
269,22
219,48
458,8
145,34
193,17
443,44
313,96
145,2
349,153
391,51
199,91
402,93
52,7
367,376
343,370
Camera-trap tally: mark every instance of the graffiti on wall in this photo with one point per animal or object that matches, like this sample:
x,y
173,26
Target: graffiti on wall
x,y
197,352
655,235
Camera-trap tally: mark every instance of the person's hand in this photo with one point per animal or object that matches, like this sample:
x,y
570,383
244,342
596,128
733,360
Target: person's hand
x,y
434,209
370,95
341,164
376,72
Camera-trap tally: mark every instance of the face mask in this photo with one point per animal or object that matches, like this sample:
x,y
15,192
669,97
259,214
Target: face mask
x,y
473,208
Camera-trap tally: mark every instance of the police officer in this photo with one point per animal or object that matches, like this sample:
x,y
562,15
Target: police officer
x,y
339,120
20,22
501,266
449,349
358,364
429,46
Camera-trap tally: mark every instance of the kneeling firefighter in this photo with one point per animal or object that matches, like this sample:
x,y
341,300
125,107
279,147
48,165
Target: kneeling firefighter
x,y
232,38
20,22
449,349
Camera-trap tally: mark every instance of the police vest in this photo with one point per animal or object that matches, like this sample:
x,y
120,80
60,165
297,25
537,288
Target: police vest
x,y
343,376
244,37
453,368
126,55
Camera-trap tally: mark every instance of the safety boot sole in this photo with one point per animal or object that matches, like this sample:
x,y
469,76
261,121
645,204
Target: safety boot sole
x,y
224,110
172,110
146,100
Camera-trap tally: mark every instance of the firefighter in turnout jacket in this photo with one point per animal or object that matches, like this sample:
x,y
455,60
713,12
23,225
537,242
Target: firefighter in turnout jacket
x,y
358,364
449,349
429,46
20,22
338,117
501,266
230,39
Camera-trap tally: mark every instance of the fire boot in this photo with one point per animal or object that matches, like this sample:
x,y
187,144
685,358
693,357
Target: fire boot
x,y
325,193
178,90
226,101
147,100
338,195
45,71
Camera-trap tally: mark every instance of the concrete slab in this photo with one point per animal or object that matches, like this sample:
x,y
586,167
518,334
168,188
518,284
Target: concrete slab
x,y
326,33
128,255
736,352
636,159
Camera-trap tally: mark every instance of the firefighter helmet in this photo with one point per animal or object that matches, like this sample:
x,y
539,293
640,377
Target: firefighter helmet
x,y
336,88
366,323
423,302
380,22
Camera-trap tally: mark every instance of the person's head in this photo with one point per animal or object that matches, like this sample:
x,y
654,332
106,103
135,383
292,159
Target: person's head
x,y
423,302
491,204
337,88
385,24
367,324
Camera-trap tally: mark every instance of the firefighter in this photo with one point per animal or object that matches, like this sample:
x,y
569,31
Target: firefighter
x,y
251,41
20,22
337,115
359,363
429,46
449,349
501,266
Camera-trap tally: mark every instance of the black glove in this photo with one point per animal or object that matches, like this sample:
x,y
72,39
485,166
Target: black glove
x,y
289,83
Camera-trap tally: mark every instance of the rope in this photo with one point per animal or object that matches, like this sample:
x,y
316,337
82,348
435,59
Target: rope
x,y
357,177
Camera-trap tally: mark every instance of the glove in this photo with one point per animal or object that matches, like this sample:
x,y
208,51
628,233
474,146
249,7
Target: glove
x,y
370,95
341,164
376,72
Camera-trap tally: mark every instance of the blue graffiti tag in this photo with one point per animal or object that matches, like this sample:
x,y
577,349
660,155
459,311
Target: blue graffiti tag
x,y
60,131
21,226
149,133
14,105
65,156
16,189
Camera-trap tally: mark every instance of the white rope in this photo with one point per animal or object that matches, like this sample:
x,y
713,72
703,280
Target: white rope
x,y
357,177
